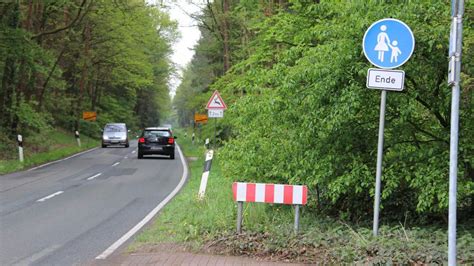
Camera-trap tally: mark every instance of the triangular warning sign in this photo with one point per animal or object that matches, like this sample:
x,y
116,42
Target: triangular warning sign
x,y
216,102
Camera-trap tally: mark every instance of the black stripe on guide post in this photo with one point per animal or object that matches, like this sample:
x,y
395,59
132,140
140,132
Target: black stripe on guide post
x,y
207,166
20,141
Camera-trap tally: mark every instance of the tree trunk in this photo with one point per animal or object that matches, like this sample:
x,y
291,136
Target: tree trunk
x,y
83,81
95,89
8,80
7,91
42,90
225,33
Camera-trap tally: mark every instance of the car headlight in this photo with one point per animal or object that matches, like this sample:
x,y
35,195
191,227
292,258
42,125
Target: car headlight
x,y
105,137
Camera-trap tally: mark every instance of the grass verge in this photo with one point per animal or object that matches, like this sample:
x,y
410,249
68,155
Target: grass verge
x,y
209,226
46,147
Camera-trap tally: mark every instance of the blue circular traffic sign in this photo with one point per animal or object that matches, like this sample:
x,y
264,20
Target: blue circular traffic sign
x,y
388,43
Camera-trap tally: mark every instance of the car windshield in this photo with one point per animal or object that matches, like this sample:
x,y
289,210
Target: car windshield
x,y
156,133
114,128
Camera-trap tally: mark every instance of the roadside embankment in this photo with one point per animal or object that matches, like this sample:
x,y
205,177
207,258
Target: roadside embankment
x,y
209,226
41,148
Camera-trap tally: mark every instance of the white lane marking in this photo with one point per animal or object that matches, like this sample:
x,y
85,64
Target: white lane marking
x,y
115,164
149,216
50,196
60,160
29,260
134,151
94,176
126,157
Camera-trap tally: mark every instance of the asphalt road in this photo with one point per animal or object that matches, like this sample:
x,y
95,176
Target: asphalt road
x,y
71,211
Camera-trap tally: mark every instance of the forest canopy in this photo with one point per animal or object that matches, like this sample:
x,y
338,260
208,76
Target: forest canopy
x,y
61,58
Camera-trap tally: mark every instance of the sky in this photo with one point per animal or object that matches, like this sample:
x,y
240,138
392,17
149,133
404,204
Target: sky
x,y
183,52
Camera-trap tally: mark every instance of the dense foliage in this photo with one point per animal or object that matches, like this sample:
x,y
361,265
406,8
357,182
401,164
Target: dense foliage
x,y
300,112
61,58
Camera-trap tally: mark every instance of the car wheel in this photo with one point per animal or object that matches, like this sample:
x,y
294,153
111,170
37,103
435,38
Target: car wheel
x,y
104,146
172,156
140,156
127,145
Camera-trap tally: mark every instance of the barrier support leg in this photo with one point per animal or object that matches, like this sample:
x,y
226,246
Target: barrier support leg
x,y
297,218
240,206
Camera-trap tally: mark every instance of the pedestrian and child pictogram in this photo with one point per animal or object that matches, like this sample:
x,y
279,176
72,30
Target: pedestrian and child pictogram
x,y
388,43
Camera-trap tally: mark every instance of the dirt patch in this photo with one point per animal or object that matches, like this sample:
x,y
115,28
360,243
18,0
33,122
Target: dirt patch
x,y
262,247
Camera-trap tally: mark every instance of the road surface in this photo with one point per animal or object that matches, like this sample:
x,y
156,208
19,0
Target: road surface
x,y
71,211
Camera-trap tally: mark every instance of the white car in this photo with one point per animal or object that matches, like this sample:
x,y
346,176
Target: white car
x,y
115,134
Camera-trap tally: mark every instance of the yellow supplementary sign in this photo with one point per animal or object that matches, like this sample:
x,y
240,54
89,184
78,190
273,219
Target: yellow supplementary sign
x,y
89,116
200,118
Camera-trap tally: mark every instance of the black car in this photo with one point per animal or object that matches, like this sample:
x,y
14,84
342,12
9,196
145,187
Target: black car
x,y
156,140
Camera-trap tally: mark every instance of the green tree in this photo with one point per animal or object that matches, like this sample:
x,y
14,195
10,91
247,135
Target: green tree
x,y
300,111
60,58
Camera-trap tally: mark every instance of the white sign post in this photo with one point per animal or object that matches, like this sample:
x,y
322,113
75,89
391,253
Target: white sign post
x,y
388,43
20,148
205,174
76,134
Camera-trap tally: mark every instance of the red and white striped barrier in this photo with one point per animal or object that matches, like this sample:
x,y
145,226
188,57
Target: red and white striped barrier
x,y
270,193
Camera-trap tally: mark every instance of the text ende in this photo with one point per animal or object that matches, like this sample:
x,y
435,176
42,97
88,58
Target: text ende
x,y
388,79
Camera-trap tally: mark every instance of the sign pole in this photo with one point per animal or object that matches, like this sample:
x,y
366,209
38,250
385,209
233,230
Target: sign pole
x,y
456,51
215,134
375,45
378,175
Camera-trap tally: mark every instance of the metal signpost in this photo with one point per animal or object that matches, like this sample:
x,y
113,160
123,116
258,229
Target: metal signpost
x,y
215,108
388,43
454,80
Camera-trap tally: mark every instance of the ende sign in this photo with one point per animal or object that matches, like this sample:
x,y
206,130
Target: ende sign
x,y
385,79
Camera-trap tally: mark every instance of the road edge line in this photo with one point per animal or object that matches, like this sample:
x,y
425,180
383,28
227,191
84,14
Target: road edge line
x,y
60,160
150,215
